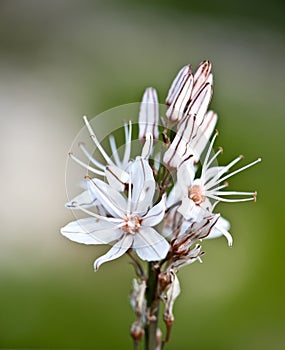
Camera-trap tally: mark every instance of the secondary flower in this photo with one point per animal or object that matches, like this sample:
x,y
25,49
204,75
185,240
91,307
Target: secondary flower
x,y
130,221
204,193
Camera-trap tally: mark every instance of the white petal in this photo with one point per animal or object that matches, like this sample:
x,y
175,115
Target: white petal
x,y
115,252
199,105
149,114
190,210
186,174
221,229
91,231
213,171
176,110
193,132
150,245
116,177
143,185
111,199
147,147
204,132
175,195
155,214
84,200
201,76
178,151
176,84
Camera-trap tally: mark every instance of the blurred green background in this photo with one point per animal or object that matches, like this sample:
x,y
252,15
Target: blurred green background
x,y
62,59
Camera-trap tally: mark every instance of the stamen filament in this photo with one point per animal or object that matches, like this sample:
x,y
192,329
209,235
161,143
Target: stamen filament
x,y
89,156
100,217
239,170
86,166
221,199
206,164
97,143
231,193
114,150
128,139
129,195
216,179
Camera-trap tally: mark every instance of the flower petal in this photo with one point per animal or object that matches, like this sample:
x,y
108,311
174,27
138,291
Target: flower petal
x,y
116,177
176,84
115,252
201,76
175,195
150,245
91,231
143,185
213,171
190,210
149,114
176,110
185,175
193,131
204,132
110,199
83,200
221,229
155,214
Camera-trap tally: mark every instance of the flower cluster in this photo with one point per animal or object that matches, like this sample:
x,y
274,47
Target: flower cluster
x,y
158,206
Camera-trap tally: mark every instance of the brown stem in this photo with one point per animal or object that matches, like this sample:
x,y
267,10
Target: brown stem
x,y
152,307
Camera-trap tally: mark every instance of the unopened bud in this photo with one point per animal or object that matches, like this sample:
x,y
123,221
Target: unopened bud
x,y
137,330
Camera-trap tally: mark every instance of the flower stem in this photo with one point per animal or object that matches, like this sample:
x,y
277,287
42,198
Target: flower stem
x,y
152,307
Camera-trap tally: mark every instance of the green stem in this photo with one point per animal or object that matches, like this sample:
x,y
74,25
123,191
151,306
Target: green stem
x,y
153,309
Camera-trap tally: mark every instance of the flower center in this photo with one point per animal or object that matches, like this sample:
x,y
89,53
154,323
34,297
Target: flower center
x,y
196,194
132,224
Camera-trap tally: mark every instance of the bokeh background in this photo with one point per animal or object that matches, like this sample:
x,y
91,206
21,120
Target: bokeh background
x,y
62,59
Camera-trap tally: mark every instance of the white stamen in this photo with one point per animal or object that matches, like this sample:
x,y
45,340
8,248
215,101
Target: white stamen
x,y
231,200
206,164
232,193
97,216
86,166
97,143
239,170
129,195
114,150
216,179
89,156
128,139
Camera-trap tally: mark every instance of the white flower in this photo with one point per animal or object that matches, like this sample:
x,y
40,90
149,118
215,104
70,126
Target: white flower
x,y
149,115
205,192
130,221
